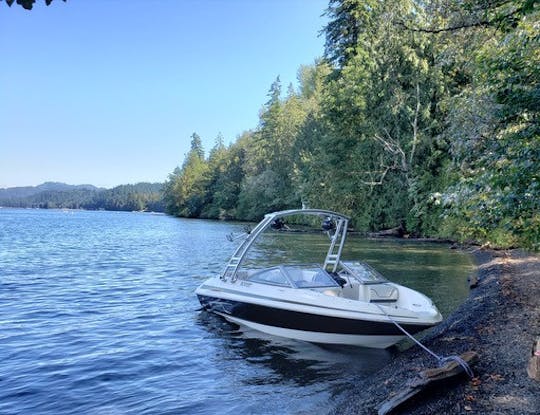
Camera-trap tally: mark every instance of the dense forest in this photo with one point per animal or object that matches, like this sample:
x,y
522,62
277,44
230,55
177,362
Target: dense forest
x,y
420,114
128,197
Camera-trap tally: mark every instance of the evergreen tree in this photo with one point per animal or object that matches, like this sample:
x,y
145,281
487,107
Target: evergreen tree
x,y
422,114
185,189
494,123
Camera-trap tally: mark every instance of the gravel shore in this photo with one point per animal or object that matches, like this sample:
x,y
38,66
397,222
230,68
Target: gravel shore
x,y
499,320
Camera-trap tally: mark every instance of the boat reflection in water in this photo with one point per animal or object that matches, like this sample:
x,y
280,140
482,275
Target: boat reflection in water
x,y
332,367
331,302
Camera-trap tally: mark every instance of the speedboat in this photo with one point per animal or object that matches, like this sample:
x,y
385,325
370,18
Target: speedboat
x,y
334,301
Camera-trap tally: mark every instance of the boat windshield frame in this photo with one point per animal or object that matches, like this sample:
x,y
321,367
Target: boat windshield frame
x,y
337,238
362,272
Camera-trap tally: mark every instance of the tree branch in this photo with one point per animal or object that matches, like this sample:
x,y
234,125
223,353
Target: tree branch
x,y
414,125
480,23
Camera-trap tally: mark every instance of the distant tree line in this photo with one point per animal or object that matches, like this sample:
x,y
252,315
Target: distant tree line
x,y
130,197
423,114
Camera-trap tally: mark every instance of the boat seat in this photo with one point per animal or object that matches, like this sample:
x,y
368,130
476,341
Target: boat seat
x,y
383,293
332,292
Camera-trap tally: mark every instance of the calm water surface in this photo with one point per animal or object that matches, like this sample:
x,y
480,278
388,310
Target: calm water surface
x,y
98,316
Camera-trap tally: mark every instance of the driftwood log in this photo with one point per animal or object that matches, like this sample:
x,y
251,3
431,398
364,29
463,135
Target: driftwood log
x,y
473,281
428,377
396,232
534,363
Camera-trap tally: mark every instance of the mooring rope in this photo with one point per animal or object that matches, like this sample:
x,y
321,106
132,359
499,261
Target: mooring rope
x,y
442,360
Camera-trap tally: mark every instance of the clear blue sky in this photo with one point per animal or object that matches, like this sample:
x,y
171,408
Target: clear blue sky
x,y
109,92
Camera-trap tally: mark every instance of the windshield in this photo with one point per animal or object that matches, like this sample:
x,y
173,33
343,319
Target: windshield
x,y
362,271
310,276
271,276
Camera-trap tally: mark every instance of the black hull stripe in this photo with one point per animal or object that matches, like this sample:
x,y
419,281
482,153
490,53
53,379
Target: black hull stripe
x,y
304,321
235,292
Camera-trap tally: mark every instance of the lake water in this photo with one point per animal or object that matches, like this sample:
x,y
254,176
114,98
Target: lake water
x,y
98,316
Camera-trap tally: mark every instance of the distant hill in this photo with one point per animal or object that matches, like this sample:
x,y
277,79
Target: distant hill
x,y
140,196
26,191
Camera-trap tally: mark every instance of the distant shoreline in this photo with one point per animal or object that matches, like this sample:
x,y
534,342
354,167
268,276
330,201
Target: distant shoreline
x,y
84,210
56,195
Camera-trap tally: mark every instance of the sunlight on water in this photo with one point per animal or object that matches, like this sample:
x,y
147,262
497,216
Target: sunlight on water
x,y
99,315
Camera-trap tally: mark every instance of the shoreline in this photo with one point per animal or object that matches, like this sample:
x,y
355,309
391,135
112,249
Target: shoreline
x,y
499,320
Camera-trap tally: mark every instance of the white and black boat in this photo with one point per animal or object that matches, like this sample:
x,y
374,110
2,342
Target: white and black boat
x,y
335,302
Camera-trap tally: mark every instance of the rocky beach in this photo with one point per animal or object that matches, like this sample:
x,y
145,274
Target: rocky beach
x,y
500,321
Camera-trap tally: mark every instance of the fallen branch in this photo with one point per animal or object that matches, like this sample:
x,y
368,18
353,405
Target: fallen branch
x,y
428,377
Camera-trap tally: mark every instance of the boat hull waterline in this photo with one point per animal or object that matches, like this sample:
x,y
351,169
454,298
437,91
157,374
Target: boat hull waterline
x,y
310,316
309,327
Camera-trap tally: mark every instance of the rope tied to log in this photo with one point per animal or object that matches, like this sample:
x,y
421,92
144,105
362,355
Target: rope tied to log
x,y
441,360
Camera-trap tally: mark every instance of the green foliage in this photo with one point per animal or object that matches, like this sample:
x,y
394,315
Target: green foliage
x,y
422,115
349,19
27,4
270,159
497,136
379,118
129,197
185,191
224,180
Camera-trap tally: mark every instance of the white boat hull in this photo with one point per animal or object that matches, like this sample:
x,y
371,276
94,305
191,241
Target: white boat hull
x,y
310,315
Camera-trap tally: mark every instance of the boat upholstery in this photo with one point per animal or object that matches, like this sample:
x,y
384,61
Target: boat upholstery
x,y
383,293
